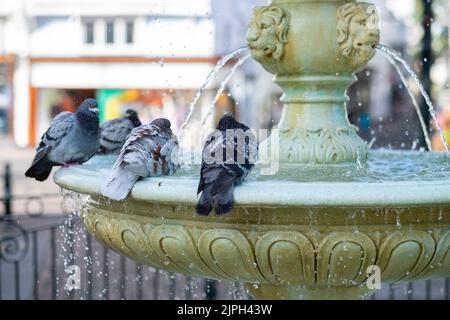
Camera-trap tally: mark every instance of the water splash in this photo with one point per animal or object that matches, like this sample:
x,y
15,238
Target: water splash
x,y
414,145
222,62
396,56
372,142
398,222
70,235
413,98
223,85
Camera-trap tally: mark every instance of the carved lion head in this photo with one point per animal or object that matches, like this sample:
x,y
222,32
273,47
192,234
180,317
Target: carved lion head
x,y
267,34
358,32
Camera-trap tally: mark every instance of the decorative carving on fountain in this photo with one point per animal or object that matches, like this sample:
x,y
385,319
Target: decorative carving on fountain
x,y
277,250
358,32
322,146
343,258
313,60
268,34
271,255
414,249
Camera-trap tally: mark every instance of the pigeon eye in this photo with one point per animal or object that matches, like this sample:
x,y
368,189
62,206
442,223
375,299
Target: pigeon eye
x,y
362,22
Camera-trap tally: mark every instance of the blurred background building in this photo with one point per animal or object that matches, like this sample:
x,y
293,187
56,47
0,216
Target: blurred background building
x,y
152,55
147,55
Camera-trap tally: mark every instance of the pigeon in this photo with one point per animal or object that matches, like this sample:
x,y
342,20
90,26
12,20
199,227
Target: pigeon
x,y
219,176
72,138
149,151
114,133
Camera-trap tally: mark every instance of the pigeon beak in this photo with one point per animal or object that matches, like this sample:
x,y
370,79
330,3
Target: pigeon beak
x,y
94,110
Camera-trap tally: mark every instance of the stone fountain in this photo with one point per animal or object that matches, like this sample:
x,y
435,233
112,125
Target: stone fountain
x,y
304,239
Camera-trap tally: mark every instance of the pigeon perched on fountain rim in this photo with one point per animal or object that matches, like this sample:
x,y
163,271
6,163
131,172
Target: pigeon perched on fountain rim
x,y
218,178
114,133
150,150
72,138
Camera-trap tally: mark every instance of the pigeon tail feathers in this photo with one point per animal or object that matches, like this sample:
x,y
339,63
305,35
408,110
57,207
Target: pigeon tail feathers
x,y
205,203
221,202
119,185
224,201
41,167
40,170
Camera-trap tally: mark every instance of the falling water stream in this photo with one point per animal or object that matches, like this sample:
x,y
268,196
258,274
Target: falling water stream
x,y
222,62
413,98
396,56
70,234
223,85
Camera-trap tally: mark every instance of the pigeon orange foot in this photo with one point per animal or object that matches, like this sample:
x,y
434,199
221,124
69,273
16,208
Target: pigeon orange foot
x,y
69,164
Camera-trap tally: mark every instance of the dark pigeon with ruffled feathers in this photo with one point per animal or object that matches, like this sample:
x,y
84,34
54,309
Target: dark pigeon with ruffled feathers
x,y
218,177
114,133
72,138
150,150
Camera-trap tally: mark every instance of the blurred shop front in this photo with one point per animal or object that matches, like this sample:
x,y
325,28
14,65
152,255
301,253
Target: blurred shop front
x,y
6,93
154,88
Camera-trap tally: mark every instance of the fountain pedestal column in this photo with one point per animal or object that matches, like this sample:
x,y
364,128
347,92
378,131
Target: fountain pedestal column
x,y
314,126
313,48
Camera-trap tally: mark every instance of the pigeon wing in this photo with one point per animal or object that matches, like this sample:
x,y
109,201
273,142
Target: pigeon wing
x,y
140,156
169,157
141,152
114,133
210,170
58,129
246,151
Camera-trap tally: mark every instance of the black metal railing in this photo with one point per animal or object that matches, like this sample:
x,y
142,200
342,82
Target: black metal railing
x,y
37,249
34,262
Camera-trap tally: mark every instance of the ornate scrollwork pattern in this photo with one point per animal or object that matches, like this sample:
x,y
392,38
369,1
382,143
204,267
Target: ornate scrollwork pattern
x,y
440,263
322,146
272,256
344,257
358,32
414,249
268,34
14,241
286,258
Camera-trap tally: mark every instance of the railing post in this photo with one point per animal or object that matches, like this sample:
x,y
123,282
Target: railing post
x,y
210,290
427,58
7,190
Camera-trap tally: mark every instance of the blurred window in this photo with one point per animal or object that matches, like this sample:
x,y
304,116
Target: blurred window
x,y
110,32
89,32
129,32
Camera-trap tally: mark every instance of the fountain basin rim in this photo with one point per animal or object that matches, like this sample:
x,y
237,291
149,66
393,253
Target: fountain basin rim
x,y
183,191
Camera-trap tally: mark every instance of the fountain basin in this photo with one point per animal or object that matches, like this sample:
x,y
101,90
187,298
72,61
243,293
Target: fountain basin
x,y
284,239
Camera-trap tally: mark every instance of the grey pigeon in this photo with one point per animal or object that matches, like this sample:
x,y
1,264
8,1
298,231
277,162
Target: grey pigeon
x,y
114,133
228,156
72,138
149,151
